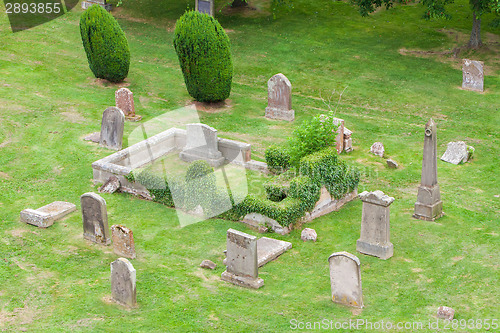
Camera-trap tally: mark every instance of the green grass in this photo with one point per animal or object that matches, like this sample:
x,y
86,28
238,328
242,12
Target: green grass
x,y
53,280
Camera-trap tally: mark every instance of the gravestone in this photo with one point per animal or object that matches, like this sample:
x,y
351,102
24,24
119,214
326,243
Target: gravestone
x,y
445,313
279,98
392,164
345,279
205,6
241,261
308,234
456,153
202,143
123,241
377,149
339,138
123,278
429,205
112,124
111,185
347,140
269,249
45,216
375,227
473,75
95,218
124,100
103,3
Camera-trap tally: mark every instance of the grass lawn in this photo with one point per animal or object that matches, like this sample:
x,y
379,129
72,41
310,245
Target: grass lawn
x,y
397,71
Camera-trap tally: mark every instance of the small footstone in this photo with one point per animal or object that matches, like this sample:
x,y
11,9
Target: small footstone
x,y
445,313
392,164
377,149
111,186
308,234
94,137
208,264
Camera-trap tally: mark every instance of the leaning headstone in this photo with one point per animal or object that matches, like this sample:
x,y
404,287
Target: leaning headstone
x,y
347,140
124,100
446,313
241,261
123,278
111,185
202,143
375,227
95,218
391,164
45,216
123,241
112,128
456,153
377,149
279,98
345,279
205,6
208,264
429,205
473,75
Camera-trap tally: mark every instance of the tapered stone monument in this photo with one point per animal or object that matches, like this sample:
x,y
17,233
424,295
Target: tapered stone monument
x,y
429,206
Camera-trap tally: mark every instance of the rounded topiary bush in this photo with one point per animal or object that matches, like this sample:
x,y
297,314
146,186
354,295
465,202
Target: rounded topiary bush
x,y
204,54
105,44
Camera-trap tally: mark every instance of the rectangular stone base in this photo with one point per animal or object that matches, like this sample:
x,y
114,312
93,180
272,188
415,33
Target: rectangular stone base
x,y
273,113
189,157
376,250
45,216
428,212
243,281
98,240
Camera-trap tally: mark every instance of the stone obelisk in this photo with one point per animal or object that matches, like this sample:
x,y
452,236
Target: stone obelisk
x,y
429,205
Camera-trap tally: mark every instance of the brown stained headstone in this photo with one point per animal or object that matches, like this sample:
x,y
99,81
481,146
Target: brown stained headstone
x,y
124,100
112,124
45,216
241,261
123,241
429,205
375,226
473,75
279,98
123,280
339,139
345,279
95,218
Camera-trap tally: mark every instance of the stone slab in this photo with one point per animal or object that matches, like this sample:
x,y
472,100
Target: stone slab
x,y
45,216
472,75
94,137
269,249
456,153
242,281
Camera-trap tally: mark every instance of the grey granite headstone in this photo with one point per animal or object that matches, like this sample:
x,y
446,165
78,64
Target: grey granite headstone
x,y
241,261
375,227
429,205
473,75
45,216
205,6
112,124
123,279
95,218
202,144
456,153
345,279
279,98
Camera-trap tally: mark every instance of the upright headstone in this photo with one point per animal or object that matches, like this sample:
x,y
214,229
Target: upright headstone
x,y
202,143
124,100
95,218
279,98
339,139
123,241
87,3
473,75
375,234
205,6
429,205
377,149
112,124
345,279
347,140
242,260
123,278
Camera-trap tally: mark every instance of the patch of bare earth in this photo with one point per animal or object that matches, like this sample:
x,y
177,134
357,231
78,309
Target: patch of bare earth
x,y
73,117
106,83
212,107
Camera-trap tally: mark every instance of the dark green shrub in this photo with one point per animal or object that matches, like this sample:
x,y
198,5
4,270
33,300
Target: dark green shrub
x,y
160,189
201,187
276,191
204,54
305,189
285,212
105,44
277,159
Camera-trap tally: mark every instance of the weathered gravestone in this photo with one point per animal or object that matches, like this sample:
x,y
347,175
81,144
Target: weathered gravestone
x,y
456,153
45,216
95,218
103,3
279,98
429,205
347,140
123,278
124,100
377,149
205,6
123,241
202,143
112,124
241,261
339,138
473,75
375,234
345,279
